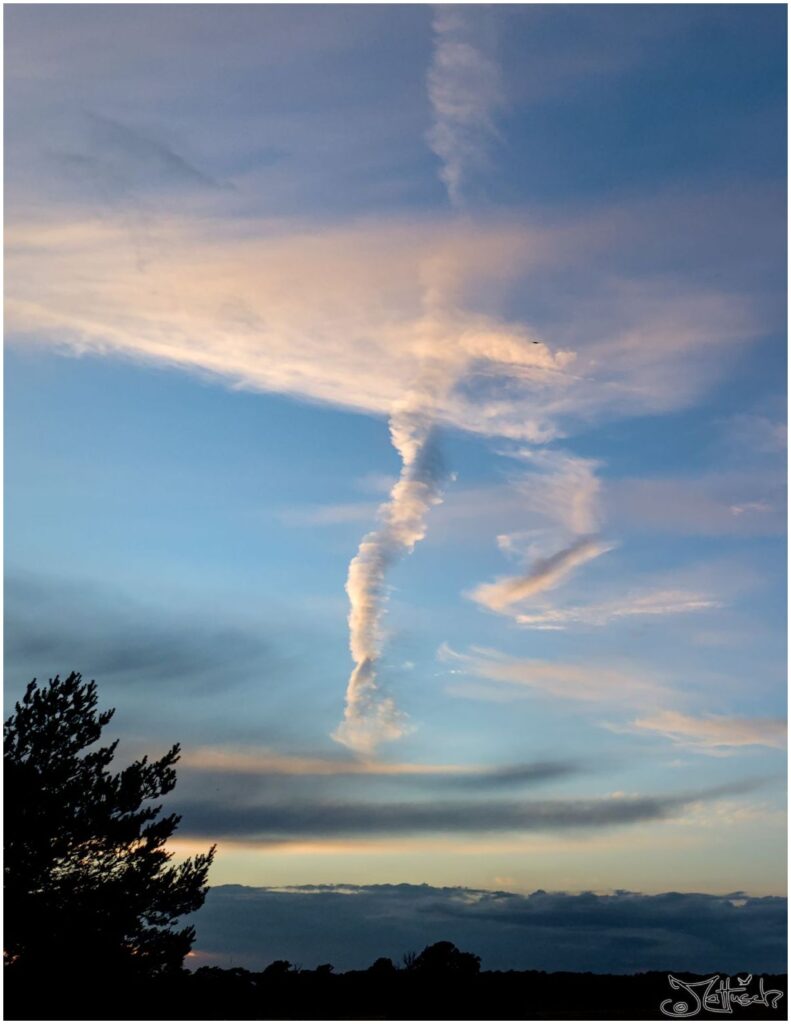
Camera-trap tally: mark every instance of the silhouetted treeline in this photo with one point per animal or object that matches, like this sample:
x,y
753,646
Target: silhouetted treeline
x,y
382,992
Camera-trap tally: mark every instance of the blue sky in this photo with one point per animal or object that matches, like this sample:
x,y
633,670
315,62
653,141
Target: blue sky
x,y
544,247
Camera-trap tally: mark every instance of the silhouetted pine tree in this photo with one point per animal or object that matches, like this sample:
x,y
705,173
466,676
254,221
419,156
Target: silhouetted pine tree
x,y
88,884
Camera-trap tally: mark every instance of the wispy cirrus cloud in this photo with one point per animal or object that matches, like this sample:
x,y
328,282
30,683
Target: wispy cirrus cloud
x,y
465,91
562,680
337,314
634,605
507,678
751,434
714,504
545,574
564,489
121,160
714,732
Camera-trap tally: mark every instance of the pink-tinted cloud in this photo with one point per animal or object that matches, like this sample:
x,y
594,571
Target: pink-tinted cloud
x,y
545,574
714,731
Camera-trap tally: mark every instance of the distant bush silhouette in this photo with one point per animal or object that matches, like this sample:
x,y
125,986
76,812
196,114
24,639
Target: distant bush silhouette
x,y
277,969
88,885
383,967
445,958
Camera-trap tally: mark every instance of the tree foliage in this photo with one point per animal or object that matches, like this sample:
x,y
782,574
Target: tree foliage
x,y
88,878
382,967
445,958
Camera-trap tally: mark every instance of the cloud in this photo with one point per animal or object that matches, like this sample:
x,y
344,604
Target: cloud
x,y
546,574
258,763
120,159
749,435
55,626
465,92
251,98
750,507
258,815
559,489
193,661
714,732
562,487
513,775
370,718
261,762
338,314
516,678
647,604
633,506
526,676
701,506
257,788
621,932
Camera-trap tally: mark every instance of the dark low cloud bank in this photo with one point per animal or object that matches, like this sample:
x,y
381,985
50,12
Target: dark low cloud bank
x,y
280,819
510,775
56,626
305,791
350,926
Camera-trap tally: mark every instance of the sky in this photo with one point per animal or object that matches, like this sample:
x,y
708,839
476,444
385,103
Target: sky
x,y
395,416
